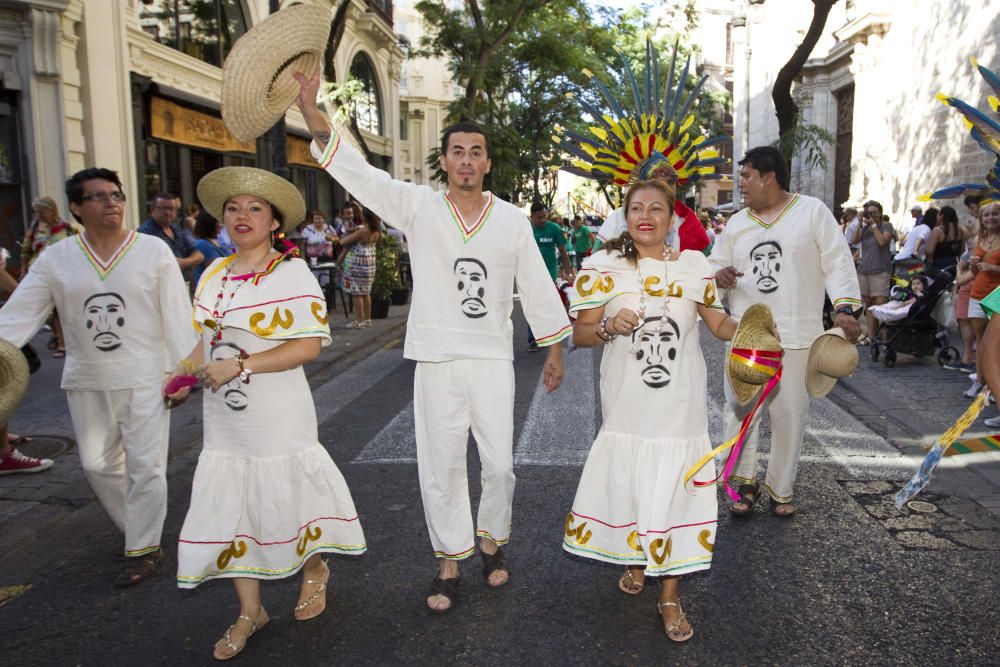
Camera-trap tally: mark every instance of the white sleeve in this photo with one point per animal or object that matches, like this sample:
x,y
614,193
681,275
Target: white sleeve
x,y
393,201
29,306
722,252
179,334
837,261
612,227
540,299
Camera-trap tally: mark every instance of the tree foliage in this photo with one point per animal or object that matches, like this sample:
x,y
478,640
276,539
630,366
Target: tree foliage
x,y
518,60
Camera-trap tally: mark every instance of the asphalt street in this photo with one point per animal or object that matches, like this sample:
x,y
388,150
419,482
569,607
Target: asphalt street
x,y
849,581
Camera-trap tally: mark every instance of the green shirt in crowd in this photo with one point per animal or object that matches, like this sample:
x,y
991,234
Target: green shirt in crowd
x,y
549,238
582,240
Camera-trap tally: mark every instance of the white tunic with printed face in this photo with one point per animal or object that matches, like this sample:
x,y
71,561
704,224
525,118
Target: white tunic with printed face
x,y
464,271
787,264
125,321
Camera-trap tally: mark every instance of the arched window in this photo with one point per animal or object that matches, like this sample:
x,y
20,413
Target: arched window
x,y
203,29
368,108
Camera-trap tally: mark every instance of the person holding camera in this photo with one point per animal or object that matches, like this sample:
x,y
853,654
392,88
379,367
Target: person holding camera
x,y
873,236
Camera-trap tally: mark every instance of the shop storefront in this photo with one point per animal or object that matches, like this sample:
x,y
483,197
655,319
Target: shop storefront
x,y
182,144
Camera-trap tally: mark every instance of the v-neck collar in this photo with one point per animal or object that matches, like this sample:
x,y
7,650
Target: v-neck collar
x,y
105,268
768,225
468,231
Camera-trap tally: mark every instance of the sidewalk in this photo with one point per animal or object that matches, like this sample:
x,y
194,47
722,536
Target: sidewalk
x,y
29,503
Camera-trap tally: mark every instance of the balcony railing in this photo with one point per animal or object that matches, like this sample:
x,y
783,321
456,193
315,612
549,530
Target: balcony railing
x,y
383,8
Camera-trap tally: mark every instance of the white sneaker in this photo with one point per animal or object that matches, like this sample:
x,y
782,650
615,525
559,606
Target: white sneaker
x,y
973,391
974,377
992,423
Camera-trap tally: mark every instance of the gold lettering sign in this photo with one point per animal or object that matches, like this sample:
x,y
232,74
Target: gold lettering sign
x,y
173,122
297,150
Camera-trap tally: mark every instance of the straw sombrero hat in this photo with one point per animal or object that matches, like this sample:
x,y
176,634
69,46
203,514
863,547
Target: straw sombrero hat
x,y
755,332
216,187
831,357
13,378
257,83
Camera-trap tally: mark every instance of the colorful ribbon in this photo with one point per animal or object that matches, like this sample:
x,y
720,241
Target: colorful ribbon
x,y
922,477
768,362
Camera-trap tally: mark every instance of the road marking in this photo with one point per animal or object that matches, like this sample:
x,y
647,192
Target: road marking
x,y
331,397
8,593
560,426
395,443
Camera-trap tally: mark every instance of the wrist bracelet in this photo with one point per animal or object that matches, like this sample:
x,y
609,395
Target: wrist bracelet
x,y
602,331
189,366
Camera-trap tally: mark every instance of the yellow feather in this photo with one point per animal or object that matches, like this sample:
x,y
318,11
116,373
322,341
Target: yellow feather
x,y
926,197
600,133
994,103
687,123
941,97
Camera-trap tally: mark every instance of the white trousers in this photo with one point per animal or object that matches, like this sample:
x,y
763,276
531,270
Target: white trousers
x,y
123,436
787,406
449,398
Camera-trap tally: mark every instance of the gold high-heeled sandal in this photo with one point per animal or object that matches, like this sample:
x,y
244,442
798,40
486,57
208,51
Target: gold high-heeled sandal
x,y
318,594
672,629
227,638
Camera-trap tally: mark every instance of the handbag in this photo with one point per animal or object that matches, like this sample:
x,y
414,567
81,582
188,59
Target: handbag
x,y
944,311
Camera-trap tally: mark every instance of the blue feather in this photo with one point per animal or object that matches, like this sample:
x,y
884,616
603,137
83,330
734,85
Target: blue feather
x,y
633,84
670,81
991,78
675,102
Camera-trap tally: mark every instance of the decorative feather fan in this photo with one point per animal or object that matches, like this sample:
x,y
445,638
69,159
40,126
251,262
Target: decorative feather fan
x,y
986,132
626,138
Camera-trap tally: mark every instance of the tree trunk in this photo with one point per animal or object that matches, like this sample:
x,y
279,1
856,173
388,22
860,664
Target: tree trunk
x,y
784,106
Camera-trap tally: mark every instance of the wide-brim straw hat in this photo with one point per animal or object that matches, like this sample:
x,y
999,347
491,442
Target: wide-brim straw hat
x,y
257,83
218,186
755,332
13,378
831,357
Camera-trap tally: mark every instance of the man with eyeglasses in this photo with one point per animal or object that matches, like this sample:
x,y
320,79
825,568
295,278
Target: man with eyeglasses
x,y
690,234
163,210
126,318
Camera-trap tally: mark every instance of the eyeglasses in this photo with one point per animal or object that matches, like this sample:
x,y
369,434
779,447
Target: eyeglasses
x,y
104,197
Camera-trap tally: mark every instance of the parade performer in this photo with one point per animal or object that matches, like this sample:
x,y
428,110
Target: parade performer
x,y
783,250
127,318
642,300
267,499
644,140
467,248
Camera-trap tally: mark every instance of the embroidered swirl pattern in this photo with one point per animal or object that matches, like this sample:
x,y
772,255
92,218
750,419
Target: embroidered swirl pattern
x,y
580,532
231,553
311,534
277,320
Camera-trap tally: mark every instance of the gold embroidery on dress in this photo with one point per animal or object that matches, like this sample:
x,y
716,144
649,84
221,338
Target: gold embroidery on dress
x,y
276,321
577,532
664,553
674,290
703,540
650,283
633,541
601,284
710,293
318,307
230,553
311,535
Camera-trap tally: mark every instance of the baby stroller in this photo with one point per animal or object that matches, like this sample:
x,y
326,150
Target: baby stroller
x,y
918,333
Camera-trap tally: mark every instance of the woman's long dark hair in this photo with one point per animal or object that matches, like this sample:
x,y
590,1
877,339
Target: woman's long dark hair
x,y
930,218
949,219
372,221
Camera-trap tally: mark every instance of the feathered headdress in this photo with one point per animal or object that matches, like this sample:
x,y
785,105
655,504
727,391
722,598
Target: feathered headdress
x,y
986,132
629,142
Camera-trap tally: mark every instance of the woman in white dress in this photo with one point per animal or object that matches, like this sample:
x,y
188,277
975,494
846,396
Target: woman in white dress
x,y
267,499
632,507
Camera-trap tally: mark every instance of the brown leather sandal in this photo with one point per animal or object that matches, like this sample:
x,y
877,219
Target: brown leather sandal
x,y
138,568
492,563
747,496
449,589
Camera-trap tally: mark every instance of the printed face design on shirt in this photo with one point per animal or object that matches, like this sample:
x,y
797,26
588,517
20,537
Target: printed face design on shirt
x,y
104,316
766,260
232,395
657,350
471,275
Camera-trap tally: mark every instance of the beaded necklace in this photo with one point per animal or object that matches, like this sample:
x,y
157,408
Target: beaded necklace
x,y
216,322
657,326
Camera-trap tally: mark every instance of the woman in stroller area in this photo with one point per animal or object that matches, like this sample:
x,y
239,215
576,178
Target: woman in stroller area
x,y
906,323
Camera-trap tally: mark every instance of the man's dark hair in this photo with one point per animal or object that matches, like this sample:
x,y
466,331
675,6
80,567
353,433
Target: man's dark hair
x,y
872,202
470,259
465,126
206,226
764,243
537,206
768,159
151,204
74,186
972,199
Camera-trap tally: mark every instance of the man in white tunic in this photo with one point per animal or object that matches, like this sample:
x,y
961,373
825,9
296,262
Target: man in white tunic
x,y
127,319
783,251
467,248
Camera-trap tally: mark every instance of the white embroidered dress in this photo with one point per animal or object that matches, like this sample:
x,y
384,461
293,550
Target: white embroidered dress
x,y
266,494
631,506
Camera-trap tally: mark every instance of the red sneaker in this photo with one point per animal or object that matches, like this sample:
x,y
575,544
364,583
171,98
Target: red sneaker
x,y
18,462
